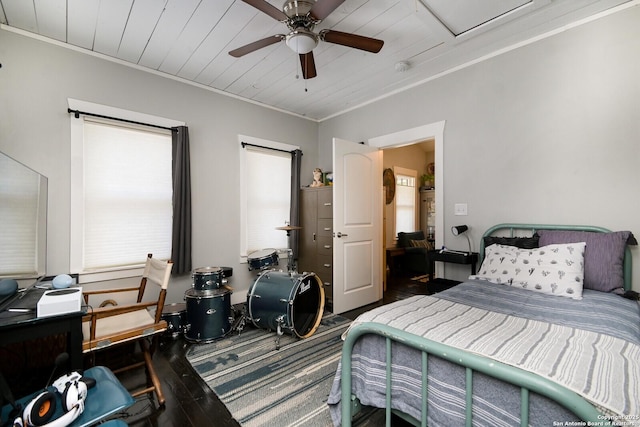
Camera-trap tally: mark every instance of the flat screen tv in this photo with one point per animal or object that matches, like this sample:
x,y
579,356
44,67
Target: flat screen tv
x,y
23,220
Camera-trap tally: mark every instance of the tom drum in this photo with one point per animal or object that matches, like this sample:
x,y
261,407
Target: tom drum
x,y
259,260
289,301
207,278
208,314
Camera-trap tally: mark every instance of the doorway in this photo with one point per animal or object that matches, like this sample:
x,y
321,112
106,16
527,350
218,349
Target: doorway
x,y
432,132
409,161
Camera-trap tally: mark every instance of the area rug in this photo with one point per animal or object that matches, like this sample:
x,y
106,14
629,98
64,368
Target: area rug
x,y
263,386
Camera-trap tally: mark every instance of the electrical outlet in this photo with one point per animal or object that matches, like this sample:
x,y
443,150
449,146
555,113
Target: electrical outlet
x,y
460,209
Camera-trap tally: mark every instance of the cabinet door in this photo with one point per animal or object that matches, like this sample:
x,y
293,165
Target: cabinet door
x,y
325,203
325,227
308,233
324,245
324,271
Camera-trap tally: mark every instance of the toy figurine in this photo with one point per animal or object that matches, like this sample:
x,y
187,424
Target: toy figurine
x,y
317,178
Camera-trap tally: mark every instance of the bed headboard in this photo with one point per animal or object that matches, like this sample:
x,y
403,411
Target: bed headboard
x,y
526,230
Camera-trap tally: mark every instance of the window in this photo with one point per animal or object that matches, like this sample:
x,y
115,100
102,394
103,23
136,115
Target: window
x,y
265,184
121,194
405,199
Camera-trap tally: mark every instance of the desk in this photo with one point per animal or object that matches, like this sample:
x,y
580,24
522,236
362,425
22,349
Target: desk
x,y
18,327
454,258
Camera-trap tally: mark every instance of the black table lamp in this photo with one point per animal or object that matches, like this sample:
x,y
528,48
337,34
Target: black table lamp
x,y
461,229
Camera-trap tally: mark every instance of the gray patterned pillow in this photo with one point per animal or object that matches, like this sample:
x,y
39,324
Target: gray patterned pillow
x,y
553,269
603,256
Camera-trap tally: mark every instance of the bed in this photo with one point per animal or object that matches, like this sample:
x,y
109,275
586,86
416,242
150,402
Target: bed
x,y
541,336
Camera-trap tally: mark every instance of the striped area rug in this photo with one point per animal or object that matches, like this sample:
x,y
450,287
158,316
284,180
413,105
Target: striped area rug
x,y
262,386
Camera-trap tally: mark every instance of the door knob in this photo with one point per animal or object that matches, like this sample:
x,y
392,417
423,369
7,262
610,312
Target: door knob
x,y
341,235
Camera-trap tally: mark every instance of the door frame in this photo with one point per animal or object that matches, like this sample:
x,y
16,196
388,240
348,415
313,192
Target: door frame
x,y
411,136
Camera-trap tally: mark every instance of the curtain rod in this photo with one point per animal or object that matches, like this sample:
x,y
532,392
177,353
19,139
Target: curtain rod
x,y
77,113
244,144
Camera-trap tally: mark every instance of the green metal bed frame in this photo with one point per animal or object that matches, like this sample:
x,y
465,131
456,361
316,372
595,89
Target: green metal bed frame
x,y
526,381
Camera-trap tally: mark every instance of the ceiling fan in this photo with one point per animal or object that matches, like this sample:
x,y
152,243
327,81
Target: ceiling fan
x,y
301,16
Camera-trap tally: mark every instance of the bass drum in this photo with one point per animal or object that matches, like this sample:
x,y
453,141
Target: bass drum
x,y
295,302
208,314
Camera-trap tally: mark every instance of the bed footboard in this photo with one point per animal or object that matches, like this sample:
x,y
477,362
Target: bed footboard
x,y
526,381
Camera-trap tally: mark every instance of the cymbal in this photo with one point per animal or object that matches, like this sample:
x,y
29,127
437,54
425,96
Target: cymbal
x,y
289,228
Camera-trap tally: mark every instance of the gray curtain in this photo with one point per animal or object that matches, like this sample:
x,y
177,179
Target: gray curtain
x,y
294,215
181,173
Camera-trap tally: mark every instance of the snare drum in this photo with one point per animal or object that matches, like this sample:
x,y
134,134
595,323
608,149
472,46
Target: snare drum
x,y
208,314
259,260
289,301
207,278
176,317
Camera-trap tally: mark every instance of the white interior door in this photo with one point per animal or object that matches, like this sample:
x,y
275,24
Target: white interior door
x,y
357,225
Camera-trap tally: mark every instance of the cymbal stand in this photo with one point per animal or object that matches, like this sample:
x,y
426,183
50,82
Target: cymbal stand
x,y
279,332
291,263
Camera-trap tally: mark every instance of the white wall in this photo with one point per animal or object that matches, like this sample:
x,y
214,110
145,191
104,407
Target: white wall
x,y
546,133
36,79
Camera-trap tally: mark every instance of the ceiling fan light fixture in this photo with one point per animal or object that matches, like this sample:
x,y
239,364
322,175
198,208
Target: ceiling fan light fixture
x,y
302,41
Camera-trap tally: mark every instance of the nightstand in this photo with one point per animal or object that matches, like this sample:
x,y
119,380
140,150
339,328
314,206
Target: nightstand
x,y
438,284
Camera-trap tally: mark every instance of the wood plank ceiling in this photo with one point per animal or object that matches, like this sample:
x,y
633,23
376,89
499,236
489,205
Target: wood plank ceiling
x,y
190,39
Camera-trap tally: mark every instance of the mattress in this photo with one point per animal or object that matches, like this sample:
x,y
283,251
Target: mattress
x,y
596,317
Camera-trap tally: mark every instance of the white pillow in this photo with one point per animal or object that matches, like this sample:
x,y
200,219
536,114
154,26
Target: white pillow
x,y
553,269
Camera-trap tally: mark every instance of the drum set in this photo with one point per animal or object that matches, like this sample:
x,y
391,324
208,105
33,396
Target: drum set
x,y
280,301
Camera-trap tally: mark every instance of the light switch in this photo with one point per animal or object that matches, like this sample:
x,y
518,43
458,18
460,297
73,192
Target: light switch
x,y
460,209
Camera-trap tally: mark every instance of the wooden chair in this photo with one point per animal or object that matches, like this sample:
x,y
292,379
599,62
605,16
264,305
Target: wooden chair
x,y
108,326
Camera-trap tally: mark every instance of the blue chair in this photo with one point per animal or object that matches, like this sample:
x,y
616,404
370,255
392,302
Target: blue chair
x,y
106,398
114,423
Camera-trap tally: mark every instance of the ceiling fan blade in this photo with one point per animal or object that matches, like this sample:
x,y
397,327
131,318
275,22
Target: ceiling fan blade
x,y
352,40
259,44
267,8
308,65
323,8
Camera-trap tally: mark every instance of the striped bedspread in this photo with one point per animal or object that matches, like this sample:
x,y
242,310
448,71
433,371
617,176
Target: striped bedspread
x,y
602,367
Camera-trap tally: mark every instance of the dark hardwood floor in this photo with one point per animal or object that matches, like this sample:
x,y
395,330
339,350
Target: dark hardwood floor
x,y
189,401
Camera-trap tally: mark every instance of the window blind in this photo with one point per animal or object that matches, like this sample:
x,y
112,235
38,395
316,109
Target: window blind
x,y
405,203
268,187
127,196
